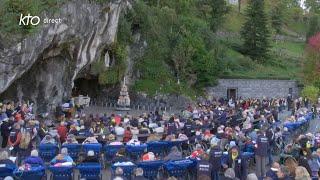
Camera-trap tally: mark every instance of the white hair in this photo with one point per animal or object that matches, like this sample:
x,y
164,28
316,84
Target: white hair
x,y
34,153
8,178
4,155
90,153
118,178
64,151
252,176
139,172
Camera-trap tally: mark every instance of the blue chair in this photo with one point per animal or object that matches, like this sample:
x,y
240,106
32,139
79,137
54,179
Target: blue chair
x,y
61,173
128,170
7,170
157,147
90,171
151,168
179,168
96,147
136,151
110,151
73,150
175,143
35,173
48,151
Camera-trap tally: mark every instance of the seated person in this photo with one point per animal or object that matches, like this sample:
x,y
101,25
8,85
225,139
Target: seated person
x,y
174,154
153,136
91,158
71,139
48,139
63,157
148,157
143,133
4,159
198,152
34,159
90,140
119,174
134,141
138,174
120,156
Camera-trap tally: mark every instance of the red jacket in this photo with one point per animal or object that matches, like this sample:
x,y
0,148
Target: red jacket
x,y
127,136
62,131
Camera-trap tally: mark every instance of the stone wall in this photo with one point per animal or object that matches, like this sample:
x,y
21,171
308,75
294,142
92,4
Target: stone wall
x,y
254,88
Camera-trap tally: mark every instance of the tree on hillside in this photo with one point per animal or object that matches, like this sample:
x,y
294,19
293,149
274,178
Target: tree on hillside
x,y
219,9
255,32
277,15
313,6
311,65
314,26
239,5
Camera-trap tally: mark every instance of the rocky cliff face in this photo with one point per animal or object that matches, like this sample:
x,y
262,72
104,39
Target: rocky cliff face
x,y
43,66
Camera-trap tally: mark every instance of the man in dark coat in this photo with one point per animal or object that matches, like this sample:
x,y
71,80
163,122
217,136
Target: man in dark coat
x,y
215,160
261,154
5,132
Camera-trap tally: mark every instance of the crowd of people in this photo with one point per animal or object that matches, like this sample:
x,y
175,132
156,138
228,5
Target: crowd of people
x,y
229,139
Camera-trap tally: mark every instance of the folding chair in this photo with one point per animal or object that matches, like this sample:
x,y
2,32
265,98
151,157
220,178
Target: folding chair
x,y
96,147
61,173
179,168
135,151
151,168
48,151
73,150
157,147
90,171
7,170
110,151
177,143
35,173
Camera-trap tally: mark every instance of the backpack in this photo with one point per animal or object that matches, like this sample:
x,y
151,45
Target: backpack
x,y
25,140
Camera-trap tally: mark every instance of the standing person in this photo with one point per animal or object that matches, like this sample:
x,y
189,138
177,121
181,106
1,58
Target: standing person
x,y
261,154
14,139
289,102
204,167
237,163
62,131
171,127
5,132
215,160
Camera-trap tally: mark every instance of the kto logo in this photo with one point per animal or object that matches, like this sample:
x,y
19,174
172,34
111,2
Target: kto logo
x,y
26,20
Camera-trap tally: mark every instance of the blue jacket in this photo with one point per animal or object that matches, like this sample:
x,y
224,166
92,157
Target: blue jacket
x,y
33,160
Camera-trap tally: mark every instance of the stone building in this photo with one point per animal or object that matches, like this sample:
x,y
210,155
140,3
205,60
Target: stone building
x,y
253,88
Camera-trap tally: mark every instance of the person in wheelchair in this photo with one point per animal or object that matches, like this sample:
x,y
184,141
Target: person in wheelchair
x,y
4,159
174,154
120,156
34,159
198,151
91,158
62,158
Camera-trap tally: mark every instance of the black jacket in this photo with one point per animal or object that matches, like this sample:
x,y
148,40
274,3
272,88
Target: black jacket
x,y
215,158
240,166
